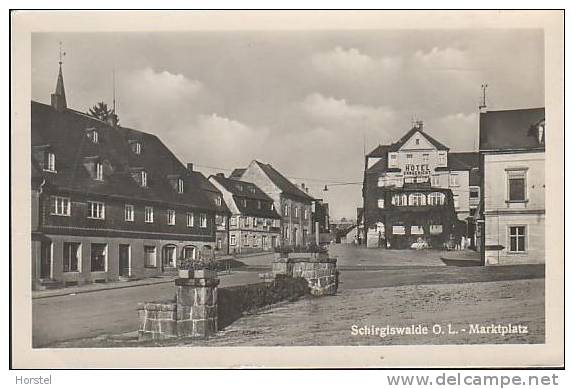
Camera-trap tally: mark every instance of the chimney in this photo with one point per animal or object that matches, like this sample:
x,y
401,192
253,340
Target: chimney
x,y
220,175
190,166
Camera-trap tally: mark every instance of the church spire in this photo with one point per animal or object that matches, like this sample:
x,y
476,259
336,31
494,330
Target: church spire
x,y
59,96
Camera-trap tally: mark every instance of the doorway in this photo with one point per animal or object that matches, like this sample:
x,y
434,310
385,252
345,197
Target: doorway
x,y
169,256
46,260
125,268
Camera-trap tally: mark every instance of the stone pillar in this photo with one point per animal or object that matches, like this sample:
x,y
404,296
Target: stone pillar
x,y
196,300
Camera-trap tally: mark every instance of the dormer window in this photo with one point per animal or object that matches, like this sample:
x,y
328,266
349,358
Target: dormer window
x,y
93,135
218,201
50,162
258,204
143,175
137,148
99,171
179,185
239,187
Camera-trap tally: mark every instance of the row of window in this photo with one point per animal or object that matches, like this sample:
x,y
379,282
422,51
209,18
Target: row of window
x,y
253,241
259,204
246,221
418,200
453,180
296,211
97,210
442,158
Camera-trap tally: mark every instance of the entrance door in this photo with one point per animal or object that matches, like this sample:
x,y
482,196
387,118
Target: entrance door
x,y
169,257
46,260
273,241
124,260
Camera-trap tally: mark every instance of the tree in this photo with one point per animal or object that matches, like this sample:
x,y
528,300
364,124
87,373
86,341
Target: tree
x,y
101,111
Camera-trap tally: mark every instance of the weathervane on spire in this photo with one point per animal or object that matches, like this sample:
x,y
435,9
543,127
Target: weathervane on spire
x,y
62,54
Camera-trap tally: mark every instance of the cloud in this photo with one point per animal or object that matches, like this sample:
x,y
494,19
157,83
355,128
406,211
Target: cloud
x,y
162,85
447,58
352,63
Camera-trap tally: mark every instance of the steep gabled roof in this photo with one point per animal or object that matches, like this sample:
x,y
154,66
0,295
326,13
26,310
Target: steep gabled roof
x,y
241,188
65,134
404,139
510,129
237,173
286,186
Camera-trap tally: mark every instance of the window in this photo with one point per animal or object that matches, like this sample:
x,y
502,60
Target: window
x,y
129,213
245,240
137,148
305,213
417,141
517,185
453,180
255,241
417,199
258,204
296,211
398,230
246,221
99,171
399,200
474,193
171,217
233,221
435,180
60,206
144,178
264,241
71,258
517,239
425,157
392,159
190,220
381,203
244,203
442,158
189,252
50,162
96,210
148,214
149,256
409,156
436,198
220,220
179,185
286,210
232,240
218,201
455,201
93,135
203,220
255,222
98,258
417,230
435,229
169,257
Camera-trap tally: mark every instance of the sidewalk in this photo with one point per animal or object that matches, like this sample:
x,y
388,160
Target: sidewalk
x,y
160,279
465,257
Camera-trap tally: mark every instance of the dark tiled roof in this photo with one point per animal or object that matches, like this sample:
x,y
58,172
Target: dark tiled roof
x,y
397,145
242,188
379,151
511,129
463,160
65,133
286,186
211,192
237,173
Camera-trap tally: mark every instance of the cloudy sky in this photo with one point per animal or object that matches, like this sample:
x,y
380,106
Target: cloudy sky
x,y
306,102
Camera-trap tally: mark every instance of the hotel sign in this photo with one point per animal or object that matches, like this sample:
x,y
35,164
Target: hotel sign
x,y
417,170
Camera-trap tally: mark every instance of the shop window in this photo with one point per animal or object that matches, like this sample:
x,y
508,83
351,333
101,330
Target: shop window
x,y
417,199
517,239
517,185
435,229
149,256
398,230
417,230
99,253
381,203
60,206
96,210
71,258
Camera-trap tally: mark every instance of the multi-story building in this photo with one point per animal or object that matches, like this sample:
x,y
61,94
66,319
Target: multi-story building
x,y
292,203
512,153
109,201
416,189
254,224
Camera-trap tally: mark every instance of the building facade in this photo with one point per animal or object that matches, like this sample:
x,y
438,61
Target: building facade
x,y
109,202
292,203
416,190
512,150
254,225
